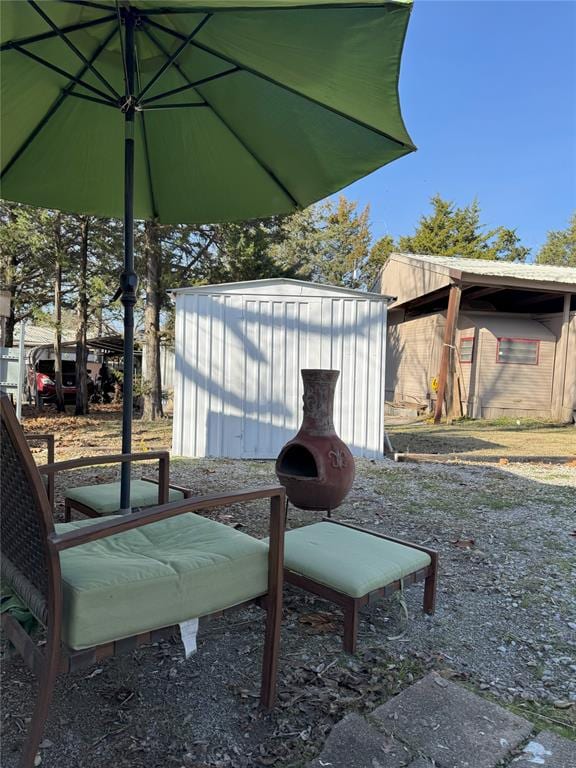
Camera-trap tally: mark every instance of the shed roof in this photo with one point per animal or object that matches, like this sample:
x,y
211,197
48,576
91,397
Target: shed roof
x,y
281,286
504,269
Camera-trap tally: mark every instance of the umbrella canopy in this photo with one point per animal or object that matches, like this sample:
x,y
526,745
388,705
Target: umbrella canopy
x,y
191,111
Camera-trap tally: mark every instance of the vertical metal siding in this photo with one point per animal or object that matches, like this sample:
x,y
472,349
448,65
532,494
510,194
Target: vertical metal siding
x,y
238,389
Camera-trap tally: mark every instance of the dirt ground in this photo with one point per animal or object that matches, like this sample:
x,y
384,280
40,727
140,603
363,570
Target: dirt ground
x,y
505,622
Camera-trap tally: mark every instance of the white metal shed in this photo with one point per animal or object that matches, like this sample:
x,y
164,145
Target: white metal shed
x,y
239,349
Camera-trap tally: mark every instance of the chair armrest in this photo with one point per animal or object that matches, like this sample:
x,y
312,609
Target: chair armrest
x,y
58,542
163,458
92,461
49,440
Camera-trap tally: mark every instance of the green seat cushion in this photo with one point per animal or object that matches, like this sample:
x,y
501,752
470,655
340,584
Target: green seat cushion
x,y
104,498
158,575
349,561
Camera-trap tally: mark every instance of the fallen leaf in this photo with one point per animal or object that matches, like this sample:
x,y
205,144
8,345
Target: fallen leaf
x,y
464,543
319,622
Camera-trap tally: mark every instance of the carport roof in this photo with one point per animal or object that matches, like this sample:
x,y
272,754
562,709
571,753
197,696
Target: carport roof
x,y
450,265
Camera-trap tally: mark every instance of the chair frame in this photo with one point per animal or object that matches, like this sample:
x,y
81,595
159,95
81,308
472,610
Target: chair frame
x,y
351,605
49,440
55,657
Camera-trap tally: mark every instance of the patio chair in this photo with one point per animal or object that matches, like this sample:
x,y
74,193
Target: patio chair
x,y
99,499
104,588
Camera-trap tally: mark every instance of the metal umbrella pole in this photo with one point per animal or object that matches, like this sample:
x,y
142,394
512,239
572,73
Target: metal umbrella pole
x,y
128,278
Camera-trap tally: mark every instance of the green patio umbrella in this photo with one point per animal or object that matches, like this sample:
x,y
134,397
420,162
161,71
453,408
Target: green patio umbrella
x,y
191,111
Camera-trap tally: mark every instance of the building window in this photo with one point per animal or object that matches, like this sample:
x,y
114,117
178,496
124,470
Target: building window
x,y
466,349
519,351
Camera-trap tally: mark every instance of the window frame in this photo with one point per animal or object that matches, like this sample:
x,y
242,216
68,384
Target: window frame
x,y
535,342
473,340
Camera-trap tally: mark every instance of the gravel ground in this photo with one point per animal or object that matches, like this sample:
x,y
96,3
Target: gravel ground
x,y
505,622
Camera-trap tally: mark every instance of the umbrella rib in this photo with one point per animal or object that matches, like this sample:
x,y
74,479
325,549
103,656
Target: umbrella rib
x,y
145,142
265,167
96,100
48,35
283,86
72,47
172,57
54,108
64,73
275,8
87,4
262,165
194,84
180,105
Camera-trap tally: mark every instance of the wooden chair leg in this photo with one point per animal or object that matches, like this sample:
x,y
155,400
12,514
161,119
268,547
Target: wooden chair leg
x,y
274,600
430,589
67,511
351,619
46,684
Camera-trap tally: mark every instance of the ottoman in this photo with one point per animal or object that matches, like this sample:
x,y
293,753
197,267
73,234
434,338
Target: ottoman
x,y
353,567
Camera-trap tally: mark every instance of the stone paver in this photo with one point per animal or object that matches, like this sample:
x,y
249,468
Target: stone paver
x,y
548,750
353,743
453,726
421,762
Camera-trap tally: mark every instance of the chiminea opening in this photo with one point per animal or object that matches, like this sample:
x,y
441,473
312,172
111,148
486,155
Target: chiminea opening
x,y
298,461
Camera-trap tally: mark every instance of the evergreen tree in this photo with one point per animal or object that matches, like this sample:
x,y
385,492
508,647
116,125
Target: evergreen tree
x,y
378,256
452,231
560,246
344,243
25,262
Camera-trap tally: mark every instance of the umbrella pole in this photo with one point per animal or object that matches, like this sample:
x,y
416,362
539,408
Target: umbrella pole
x,y
128,279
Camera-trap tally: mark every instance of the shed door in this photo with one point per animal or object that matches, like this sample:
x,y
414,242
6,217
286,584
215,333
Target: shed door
x,y
281,337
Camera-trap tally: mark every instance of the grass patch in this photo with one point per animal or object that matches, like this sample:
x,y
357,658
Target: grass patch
x,y
543,715
547,717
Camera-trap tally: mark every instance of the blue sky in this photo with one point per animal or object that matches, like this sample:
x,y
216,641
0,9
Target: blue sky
x,y
488,93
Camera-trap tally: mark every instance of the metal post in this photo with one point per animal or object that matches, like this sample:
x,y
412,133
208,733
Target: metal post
x,y
128,279
21,370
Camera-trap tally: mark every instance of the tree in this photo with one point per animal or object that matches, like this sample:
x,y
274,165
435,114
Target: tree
x,y
26,256
59,257
151,374
378,256
560,246
245,251
84,223
452,231
344,243
298,248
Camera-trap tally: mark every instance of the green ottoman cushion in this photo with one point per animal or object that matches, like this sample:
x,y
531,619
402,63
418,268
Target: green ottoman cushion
x,y
105,497
349,561
158,575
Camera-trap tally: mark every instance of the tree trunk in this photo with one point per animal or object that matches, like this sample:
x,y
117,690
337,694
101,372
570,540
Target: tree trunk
x,y
151,374
9,284
9,324
60,405
82,327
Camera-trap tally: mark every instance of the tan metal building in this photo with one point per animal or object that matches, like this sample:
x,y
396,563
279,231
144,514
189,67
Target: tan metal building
x,y
482,338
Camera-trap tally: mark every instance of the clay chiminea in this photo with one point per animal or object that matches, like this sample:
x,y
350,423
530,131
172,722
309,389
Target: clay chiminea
x,y
316,466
